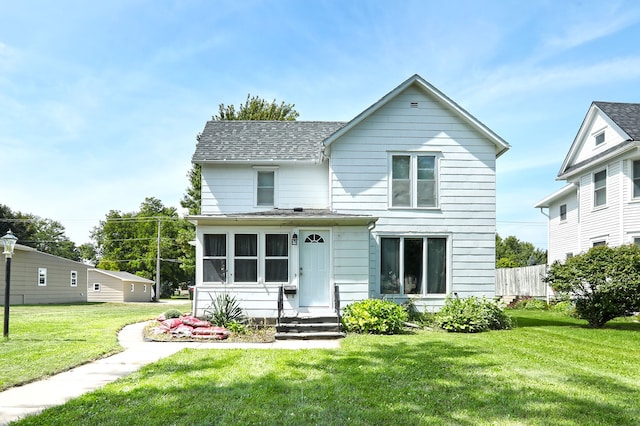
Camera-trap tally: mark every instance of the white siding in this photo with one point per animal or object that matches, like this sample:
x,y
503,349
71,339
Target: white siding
x,y
601,223
231,188
466,215
563,235
612,137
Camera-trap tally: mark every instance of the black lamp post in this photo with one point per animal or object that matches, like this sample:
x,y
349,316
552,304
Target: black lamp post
x,y
9,242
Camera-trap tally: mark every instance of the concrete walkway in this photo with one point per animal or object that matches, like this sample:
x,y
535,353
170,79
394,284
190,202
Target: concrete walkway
x,y
20,401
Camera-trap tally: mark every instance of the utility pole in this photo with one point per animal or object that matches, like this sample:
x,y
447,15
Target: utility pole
x,y
158,264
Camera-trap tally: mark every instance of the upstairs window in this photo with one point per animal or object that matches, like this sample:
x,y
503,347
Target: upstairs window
x,y
599,139
265,188
600,188
636,179
563,212
413,181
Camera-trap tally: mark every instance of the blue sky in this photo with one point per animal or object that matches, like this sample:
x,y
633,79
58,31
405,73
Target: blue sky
x,y
100,102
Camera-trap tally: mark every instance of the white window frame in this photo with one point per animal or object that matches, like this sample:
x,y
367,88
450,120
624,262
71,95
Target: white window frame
x,y
562,215
145,289
42,277
423,284
132,287
73,279
260,258
413,178
604,188
597,136
259,170
96,286
634,178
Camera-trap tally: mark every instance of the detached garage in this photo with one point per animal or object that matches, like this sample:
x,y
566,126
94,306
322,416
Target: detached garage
x,y
117,286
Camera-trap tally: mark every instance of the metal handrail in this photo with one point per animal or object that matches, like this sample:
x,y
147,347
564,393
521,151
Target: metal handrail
x,y
280,302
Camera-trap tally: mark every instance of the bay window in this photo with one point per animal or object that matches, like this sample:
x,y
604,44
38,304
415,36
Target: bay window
x,y
413,265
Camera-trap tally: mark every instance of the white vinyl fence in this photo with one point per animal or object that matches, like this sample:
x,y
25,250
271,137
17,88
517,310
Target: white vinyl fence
x,y
525,281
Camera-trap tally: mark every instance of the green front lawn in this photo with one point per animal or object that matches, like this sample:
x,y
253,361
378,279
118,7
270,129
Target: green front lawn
x,y
47,339
550,370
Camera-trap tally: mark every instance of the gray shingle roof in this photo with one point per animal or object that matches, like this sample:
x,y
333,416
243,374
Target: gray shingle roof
x,y
263,140
625,115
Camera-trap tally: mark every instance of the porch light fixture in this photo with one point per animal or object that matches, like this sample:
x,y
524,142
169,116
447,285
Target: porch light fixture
x,y
9,243
294,239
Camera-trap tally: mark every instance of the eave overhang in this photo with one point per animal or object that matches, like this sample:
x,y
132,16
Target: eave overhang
x,y
287,219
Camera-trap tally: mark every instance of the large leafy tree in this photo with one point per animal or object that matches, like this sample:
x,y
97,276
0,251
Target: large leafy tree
x,y
129,242
604,283
45,235
513,253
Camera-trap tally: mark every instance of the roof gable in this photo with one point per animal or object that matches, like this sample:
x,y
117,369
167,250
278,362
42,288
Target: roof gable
x,y
501,145
262,141
619,123
123,276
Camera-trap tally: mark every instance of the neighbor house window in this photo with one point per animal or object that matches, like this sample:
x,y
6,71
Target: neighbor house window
x,y
265,189
413,181
96,286
599,243
245,262
413,265
636,179
214,258
42,277
563,212
600,188
74,279
276,258
144,289
132,287
599,138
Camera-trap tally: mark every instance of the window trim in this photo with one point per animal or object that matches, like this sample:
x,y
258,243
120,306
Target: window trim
x,y
96,287
413,178
73,279
133,287
598,135
225,257
258,170
424,285
42,277
595,190
261,257
633,179
563,212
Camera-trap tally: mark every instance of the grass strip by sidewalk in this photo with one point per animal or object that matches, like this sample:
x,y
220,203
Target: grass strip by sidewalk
x,y
549,370
47,339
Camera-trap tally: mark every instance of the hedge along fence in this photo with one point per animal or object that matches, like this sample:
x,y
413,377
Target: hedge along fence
x,y
525,281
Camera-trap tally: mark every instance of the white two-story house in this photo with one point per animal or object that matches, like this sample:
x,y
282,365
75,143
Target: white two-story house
x,y
399,202
601,202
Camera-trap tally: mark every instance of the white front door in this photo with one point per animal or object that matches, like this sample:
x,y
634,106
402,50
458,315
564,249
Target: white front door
x,y
314,269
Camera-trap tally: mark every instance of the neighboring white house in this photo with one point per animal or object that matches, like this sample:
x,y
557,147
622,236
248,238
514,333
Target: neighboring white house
x,y
601,202
117,286
399,202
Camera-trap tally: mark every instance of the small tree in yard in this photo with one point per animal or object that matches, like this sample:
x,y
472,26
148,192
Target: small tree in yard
x,y
604,282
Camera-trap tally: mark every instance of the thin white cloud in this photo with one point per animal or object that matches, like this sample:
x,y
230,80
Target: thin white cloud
x,y
595,23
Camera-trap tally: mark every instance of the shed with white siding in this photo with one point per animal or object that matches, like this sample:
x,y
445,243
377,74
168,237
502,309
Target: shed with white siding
x,y
397,203
117,286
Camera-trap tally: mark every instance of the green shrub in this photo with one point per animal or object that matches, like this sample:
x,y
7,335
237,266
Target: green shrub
x,y
603,283
564,306
472,315
172,313
528,302
224,310
374,316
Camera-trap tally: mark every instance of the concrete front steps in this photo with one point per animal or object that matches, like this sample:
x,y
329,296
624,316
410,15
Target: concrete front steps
x,y
309,327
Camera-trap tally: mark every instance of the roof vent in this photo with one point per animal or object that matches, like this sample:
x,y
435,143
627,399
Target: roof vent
x,y
414,105
298,209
